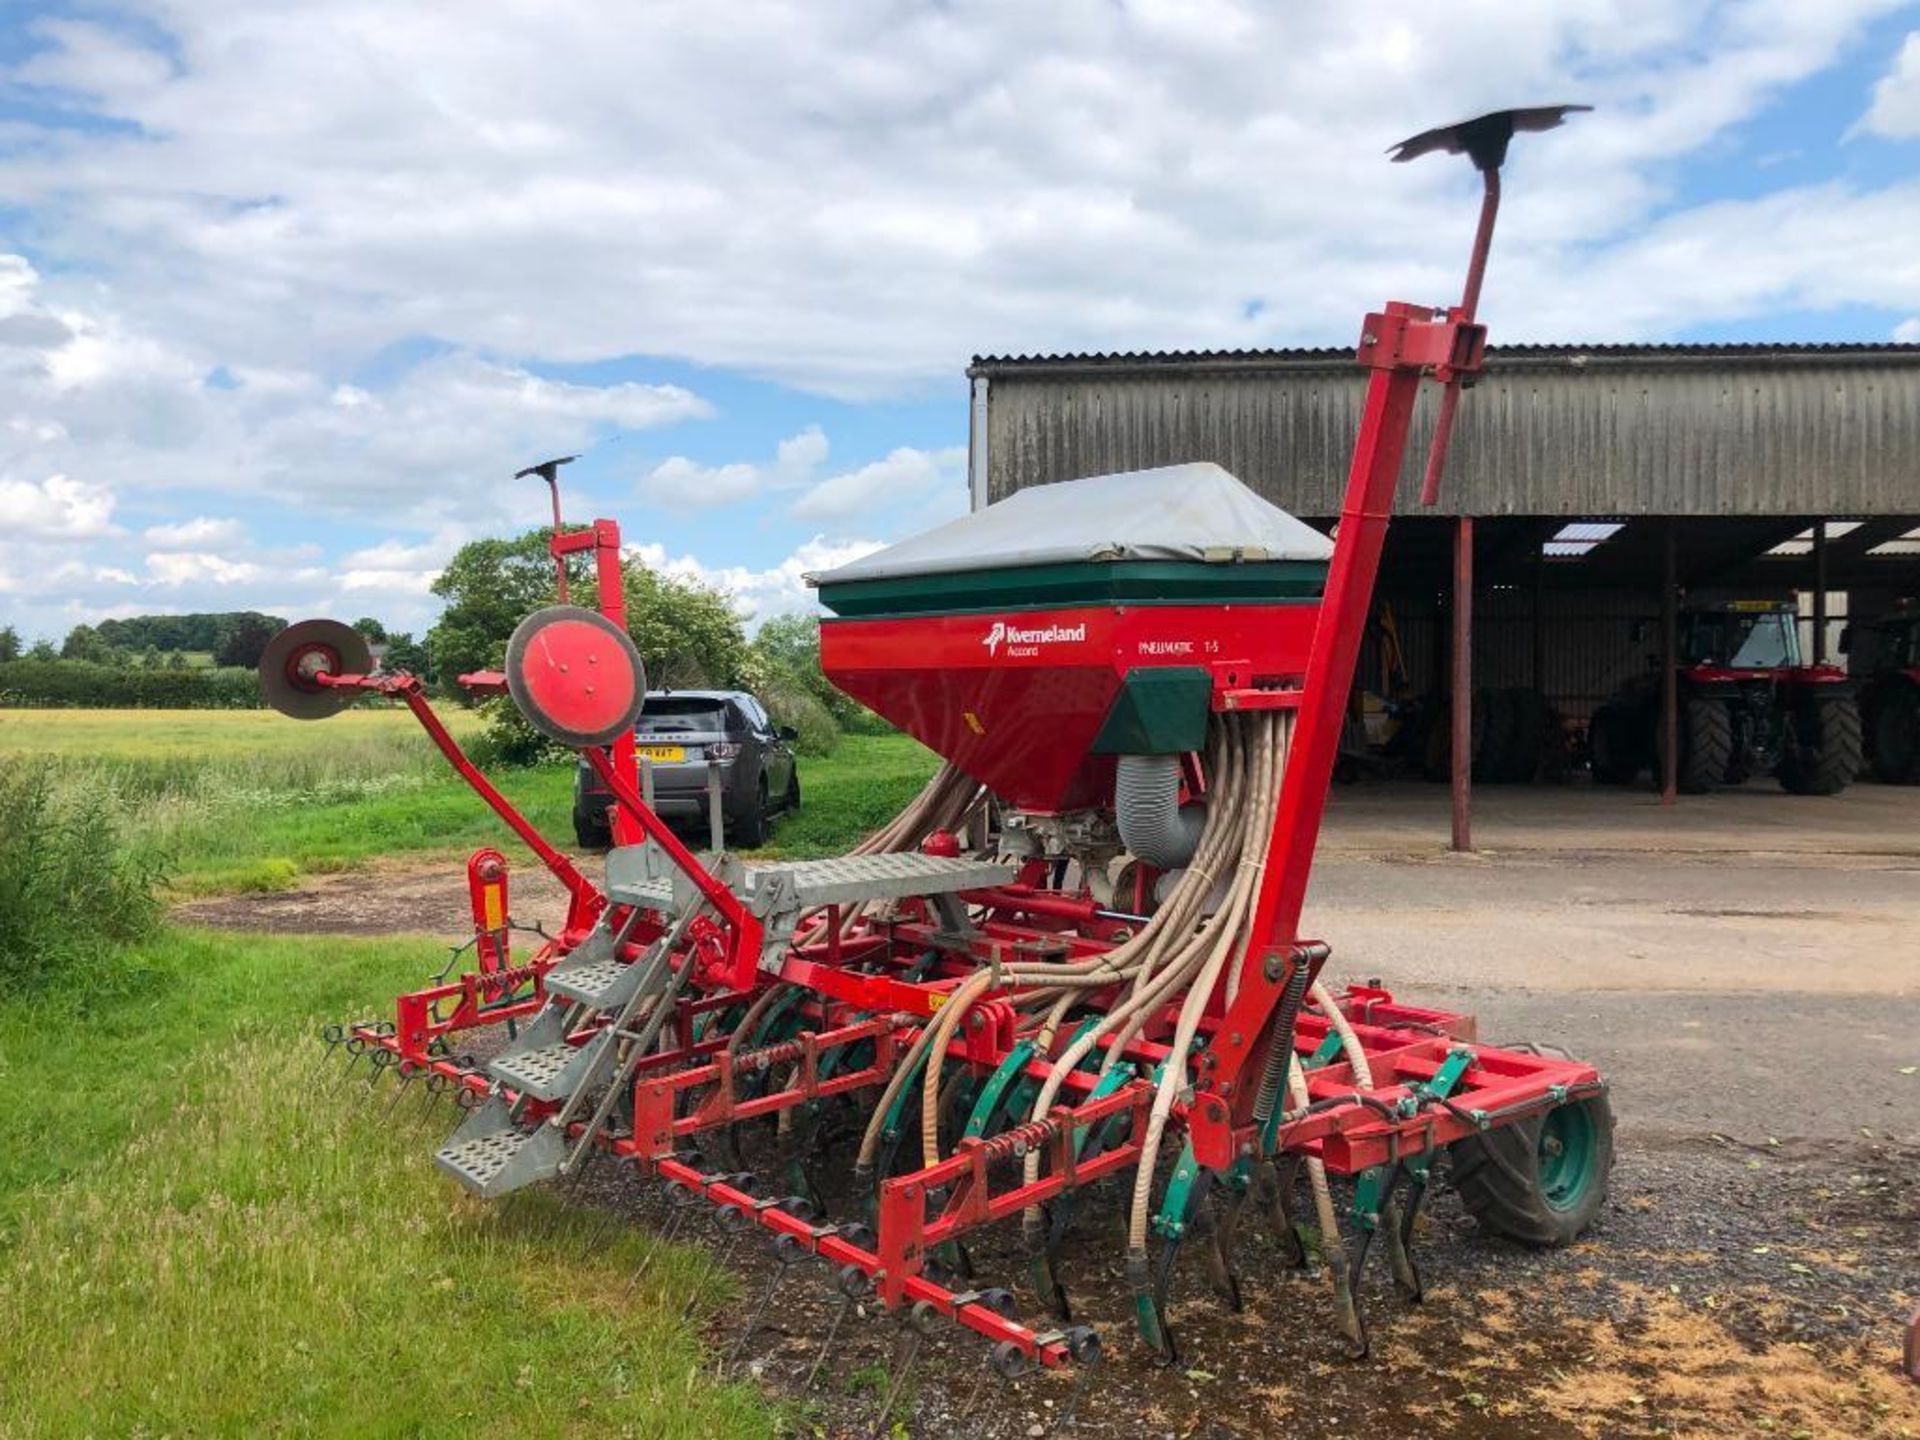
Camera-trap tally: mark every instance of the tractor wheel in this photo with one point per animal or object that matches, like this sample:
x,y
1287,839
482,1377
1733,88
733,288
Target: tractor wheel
x,y
1611,747
1437,758
1896,737
591,830
1828,765
1493,738
1542,1180
1524,746
1706,745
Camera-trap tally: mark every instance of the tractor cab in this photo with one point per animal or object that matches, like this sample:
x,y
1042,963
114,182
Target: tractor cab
x,y
1741,635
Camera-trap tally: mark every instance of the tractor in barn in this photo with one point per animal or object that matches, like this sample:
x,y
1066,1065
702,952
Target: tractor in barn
x,y
1746,706
1885,655
1067,986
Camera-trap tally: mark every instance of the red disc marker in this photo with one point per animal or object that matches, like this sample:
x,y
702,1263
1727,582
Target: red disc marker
x,y
294,660
576,676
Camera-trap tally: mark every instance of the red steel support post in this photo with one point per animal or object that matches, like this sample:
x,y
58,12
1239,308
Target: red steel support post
x,y
1669,669
1462,736
1819,592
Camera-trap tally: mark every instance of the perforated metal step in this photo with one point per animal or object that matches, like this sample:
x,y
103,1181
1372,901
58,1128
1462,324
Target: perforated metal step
x,y
597,984
549,1072
491,1157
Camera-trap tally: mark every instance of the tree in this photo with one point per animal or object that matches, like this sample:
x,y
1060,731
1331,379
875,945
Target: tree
x,y
375,632
404,653
245,640
490,586
43,650
687,633
9,644
83,642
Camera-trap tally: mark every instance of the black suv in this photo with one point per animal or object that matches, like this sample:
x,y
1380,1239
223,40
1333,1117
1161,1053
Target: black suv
x,y
684,733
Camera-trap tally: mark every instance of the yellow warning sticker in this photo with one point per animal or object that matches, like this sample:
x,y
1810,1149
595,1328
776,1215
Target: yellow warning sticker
x,y
491,906
973,722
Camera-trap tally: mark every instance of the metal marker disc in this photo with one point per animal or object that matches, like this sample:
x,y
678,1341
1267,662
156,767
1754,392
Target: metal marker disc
x,y
576,676
299,653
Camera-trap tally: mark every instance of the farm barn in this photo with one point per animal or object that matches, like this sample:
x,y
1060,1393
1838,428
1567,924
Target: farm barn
x,y
1596,497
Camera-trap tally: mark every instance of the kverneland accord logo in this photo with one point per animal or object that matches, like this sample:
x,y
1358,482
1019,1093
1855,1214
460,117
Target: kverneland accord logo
x,y
1028,642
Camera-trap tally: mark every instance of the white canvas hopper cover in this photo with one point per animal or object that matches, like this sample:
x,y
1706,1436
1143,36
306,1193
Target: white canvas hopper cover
x,y
1176,512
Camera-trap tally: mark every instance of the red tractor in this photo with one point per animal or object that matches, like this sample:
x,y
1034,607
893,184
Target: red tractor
x,y
1889,661
1747,706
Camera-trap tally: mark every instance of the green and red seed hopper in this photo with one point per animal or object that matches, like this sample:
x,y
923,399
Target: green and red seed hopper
x,y
1033,640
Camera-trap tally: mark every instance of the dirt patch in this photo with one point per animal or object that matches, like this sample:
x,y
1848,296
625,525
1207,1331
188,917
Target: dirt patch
x,y
398,897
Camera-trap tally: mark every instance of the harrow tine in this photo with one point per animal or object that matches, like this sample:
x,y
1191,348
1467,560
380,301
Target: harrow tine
x,y
436,1087
332,1037
853,1284
787,1252
680,1201
405,1076
733,1225
1083,1344
917,1323
356,1046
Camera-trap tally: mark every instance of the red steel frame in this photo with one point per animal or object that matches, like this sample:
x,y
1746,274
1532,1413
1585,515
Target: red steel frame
x,y
861,994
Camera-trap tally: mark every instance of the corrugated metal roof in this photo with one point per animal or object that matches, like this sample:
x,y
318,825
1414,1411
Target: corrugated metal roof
x,y
1569,430
1744,354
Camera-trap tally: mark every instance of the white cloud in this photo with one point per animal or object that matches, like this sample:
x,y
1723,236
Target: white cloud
x,y
683,484
191,568
1895,111
761,594
1907,332
905,476
56,508
854,197
200,532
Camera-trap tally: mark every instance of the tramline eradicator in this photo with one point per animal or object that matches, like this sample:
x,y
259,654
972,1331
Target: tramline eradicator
x,y
1075,959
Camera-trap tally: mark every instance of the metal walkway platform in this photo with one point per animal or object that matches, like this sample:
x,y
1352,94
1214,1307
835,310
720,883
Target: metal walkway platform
x,y
839,880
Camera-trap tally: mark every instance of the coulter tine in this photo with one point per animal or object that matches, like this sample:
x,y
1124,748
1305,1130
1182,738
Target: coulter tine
x,y
1401,1221
1346,1292
1041,1253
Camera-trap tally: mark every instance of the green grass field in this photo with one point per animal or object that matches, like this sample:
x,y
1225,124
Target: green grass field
x,y
238,800
202,1232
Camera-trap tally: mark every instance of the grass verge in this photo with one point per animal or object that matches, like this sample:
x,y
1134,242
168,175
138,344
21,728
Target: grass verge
x,y
202,1235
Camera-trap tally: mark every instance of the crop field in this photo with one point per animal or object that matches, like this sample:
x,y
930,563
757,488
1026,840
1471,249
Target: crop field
x,y
203,1233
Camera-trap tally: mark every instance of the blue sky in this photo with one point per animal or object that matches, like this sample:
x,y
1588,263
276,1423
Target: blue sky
x,y
287,292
